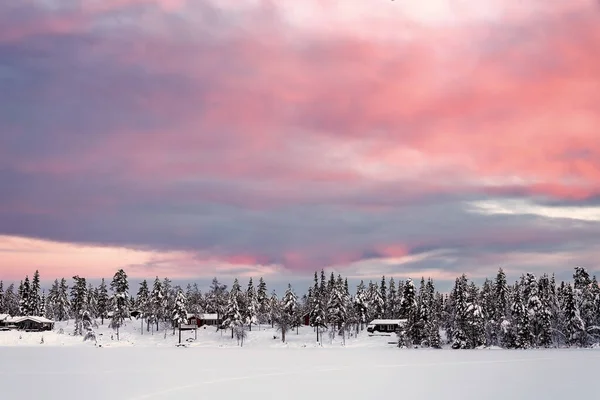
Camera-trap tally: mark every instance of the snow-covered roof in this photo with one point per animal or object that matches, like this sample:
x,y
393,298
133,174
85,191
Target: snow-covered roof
x,y
4,316
387,321
39,320
202,316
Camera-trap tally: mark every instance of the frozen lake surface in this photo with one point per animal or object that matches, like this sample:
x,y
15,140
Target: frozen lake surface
x,y
150,366
77,372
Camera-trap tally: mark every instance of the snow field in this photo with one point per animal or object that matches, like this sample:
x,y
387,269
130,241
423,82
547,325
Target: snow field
x,y
151,367
295,373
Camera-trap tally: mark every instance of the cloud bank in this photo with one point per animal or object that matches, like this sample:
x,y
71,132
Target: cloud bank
x,y
368,138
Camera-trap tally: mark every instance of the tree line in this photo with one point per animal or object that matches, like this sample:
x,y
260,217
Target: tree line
x,y
531,313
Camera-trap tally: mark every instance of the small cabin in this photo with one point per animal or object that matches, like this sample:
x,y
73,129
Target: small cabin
x,y
203,319
385,325
31,323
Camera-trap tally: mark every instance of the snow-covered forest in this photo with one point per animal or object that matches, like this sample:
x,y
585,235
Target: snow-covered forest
x,y
534,312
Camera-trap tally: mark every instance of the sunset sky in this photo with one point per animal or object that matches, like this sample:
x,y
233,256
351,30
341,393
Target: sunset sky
x,y
194,138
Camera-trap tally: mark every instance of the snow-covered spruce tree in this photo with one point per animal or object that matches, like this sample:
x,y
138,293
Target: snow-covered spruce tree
x,y
50,311
243,303
488,304
195,300
447,316
24,300
88,324
43,304
120,300
79,303
330,284
460,310
189,296
336,309
433,333
429,318
475,322
282,320
158,301
432,327
361,304
35,295
169,293
575,327
2,301
439,304
399,296
233,316
217,298
520,322
179,313
79,294
423,313
375,301
534,307
143,305
317,313
584,299
322,285
274,308
559,326
202,306
251,306
174,325
20,296
544,316
92,301
64,305
290,306
103,301
392,306
263,302
596,307
502,310
352,316
51,307
11,300
131,303
409,311
384,298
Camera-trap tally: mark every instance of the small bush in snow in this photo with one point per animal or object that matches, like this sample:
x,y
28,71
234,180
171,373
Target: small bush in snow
x,y
90,335
240,333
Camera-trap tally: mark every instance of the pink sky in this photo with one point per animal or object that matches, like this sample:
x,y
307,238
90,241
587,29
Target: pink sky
x,y
199,138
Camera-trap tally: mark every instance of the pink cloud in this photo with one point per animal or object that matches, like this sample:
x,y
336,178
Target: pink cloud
x,y
285,115
476,112
54,259
474,106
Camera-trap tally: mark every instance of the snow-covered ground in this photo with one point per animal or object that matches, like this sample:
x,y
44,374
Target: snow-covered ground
x,y
151,367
